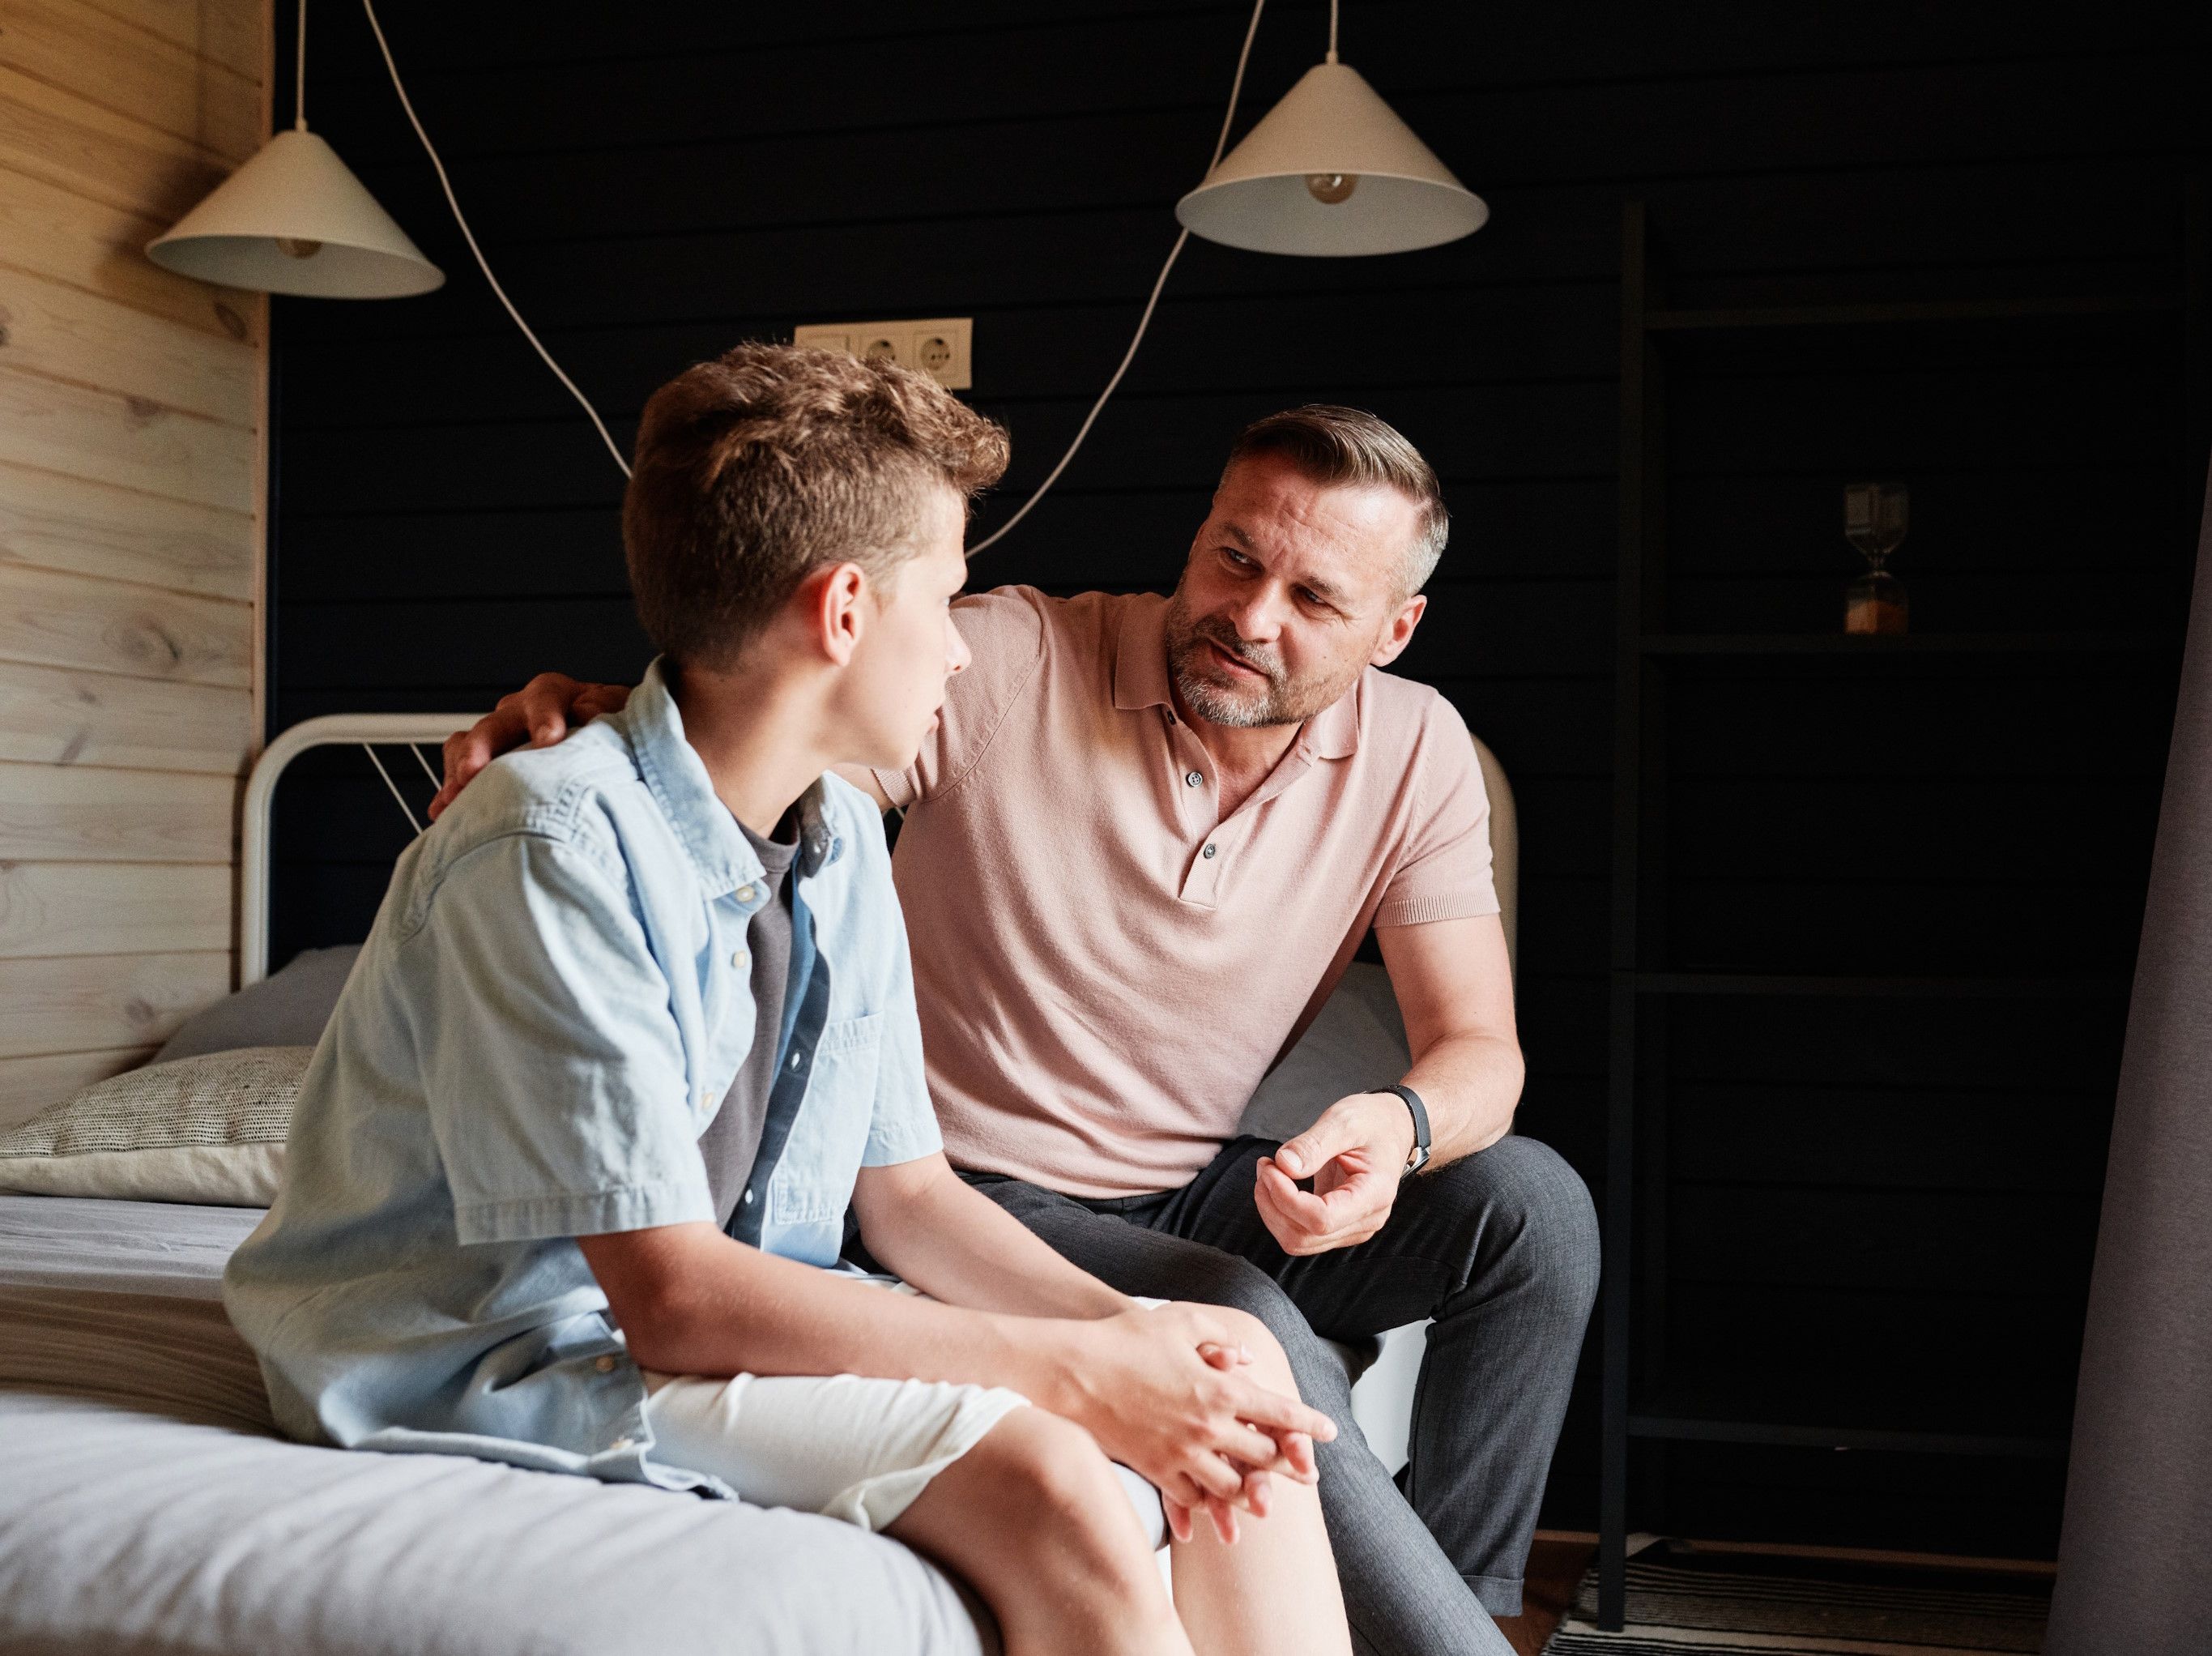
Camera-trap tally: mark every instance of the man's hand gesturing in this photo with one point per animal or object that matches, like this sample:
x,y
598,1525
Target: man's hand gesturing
x,y
1355,1154
540,714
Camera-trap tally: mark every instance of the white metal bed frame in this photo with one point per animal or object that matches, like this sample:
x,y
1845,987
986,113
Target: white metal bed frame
x,y
366,731
411,730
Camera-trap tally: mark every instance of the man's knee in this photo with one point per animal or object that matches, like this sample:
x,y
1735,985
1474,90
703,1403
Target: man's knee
x,y
1237,1285
1533,1218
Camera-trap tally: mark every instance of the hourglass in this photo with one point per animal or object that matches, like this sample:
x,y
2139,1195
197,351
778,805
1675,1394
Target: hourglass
x,y
1875,515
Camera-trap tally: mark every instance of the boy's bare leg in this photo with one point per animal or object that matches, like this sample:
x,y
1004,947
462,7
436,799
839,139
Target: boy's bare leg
x,y
1275,1592
1034,1519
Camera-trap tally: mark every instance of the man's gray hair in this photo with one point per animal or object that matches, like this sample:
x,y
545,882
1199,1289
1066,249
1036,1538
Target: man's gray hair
x,y
1330,444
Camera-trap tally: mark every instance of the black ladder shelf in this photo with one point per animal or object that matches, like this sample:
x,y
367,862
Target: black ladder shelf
x,y
1643,980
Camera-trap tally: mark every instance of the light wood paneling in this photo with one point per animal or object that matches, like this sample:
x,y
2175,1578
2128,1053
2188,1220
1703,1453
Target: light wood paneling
x,y
48,231
73,814
123,69
107,157
29,1085
226,31
103,1001
111,908
50,522
125,441
67,334
133,404
51,716
52,619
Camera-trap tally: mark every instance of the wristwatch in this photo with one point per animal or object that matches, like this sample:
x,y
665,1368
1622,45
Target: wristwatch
x,y
1419,1158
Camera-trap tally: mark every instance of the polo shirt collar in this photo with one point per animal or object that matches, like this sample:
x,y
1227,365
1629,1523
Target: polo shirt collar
x,y
676,778
1140,680
1140,656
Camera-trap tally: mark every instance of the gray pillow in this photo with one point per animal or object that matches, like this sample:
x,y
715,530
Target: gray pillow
x,y
289,1010
1357,1041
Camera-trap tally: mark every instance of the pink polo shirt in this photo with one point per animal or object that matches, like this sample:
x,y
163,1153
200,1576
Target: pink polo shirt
x,y
1106,968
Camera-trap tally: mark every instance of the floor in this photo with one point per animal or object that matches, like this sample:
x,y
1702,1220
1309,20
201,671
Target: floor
x,y
1555,1567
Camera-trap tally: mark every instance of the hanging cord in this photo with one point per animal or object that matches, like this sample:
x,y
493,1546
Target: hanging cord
x,y
1332,31
1236,88
468,235
300,75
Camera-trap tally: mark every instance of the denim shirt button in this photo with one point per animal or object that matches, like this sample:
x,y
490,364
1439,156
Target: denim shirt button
x,y
604,1365
746,894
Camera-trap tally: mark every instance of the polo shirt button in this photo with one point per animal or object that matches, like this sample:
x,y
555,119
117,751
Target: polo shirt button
x,y
604,1365
798,1061
749,1198
745,893
1211,850
1193,778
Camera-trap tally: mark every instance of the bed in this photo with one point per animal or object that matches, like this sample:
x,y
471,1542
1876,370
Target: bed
x,y
148,1504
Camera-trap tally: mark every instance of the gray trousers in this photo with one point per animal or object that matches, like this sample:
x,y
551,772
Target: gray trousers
x,y
1500,1248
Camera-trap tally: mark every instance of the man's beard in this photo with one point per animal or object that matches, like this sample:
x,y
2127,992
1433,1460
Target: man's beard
x,y
1207,691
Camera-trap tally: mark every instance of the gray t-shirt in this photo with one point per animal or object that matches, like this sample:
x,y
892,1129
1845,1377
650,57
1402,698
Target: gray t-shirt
x,y
732,1139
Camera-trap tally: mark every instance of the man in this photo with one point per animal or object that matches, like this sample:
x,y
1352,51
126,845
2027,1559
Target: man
x,y
636,1027
1137,854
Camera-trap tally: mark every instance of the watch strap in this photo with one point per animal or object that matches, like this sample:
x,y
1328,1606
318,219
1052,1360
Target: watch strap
x,y
1420,1159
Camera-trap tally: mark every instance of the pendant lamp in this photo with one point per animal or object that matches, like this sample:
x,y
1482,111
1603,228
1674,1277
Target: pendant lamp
x,y
295,220
1331,172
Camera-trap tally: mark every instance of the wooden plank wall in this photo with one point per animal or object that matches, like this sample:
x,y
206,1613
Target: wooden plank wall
x,y
655,182
131,420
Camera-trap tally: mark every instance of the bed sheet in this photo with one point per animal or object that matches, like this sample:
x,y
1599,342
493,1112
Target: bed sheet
x,y
146,1503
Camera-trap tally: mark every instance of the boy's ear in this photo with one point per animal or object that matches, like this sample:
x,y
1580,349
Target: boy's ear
x,y
835,601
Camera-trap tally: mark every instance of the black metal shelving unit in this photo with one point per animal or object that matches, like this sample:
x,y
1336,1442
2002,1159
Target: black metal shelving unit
x,y
1657,1408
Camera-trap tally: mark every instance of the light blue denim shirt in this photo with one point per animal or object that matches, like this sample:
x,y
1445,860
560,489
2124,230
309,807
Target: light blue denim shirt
x,y
552,1004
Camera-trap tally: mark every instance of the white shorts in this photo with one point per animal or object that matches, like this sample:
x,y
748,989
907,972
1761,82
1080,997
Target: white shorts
x,y
859,1450
846,1448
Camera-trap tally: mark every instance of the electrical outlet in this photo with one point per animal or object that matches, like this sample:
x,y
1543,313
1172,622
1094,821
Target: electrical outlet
x,y
939,346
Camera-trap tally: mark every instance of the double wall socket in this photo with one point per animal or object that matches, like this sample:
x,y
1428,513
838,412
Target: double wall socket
x,y
938,345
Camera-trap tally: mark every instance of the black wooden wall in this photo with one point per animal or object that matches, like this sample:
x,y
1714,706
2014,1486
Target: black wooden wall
x,y
656,182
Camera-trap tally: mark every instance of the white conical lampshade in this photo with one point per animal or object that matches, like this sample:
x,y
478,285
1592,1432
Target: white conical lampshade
x,y
1331,126
297,194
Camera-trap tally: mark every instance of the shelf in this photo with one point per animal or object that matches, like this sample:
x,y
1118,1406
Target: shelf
x,y
1671,1421
1899,988
1846,645
1733,318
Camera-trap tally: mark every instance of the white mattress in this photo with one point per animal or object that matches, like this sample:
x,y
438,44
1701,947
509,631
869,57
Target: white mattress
x,y
146,1505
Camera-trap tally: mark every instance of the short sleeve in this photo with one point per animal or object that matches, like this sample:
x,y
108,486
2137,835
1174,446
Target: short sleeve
x,y
557,1089
1005,633
903,1127
1444,870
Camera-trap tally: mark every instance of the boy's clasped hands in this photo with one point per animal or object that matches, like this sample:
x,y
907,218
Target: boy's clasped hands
x,y
1168,1398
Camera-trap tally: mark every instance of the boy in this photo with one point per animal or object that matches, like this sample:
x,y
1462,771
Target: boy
x,y
636,1024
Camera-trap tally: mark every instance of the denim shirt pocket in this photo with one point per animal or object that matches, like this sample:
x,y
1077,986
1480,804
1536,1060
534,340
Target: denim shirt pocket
x,y
813,1180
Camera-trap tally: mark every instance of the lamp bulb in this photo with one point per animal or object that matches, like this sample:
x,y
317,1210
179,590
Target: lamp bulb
x,y
1330,188
297,247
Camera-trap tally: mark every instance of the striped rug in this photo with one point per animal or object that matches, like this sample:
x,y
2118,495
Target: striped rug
x,y
1683,1601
